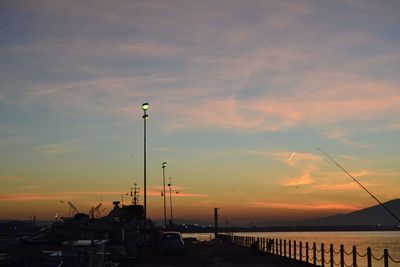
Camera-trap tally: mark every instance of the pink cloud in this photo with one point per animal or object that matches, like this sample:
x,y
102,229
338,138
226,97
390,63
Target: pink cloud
x,y
310,206
304,179
28,197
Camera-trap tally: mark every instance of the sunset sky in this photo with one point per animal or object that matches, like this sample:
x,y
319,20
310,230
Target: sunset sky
x,y
241,93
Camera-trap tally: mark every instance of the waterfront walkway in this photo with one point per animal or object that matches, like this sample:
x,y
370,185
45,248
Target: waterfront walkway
x,y
216,253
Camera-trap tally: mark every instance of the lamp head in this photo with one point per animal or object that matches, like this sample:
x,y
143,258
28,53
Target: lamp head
x,y
164,164
145,106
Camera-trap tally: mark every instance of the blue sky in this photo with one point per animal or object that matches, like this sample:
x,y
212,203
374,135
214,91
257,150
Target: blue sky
x,y
236,89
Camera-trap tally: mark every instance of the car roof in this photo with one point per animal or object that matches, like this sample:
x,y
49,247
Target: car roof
x,y
171,232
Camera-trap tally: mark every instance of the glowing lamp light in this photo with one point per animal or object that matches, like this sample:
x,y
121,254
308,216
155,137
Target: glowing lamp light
x,y
145,106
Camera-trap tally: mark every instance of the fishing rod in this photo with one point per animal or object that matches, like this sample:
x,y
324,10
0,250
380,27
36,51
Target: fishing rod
x,y
355,180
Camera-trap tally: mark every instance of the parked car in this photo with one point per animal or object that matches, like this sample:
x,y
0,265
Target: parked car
x,y
171,242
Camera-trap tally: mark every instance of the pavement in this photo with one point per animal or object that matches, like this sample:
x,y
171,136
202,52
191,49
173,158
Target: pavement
x,y
215,253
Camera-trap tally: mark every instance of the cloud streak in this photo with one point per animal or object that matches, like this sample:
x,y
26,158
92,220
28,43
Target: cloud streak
x,y
311,206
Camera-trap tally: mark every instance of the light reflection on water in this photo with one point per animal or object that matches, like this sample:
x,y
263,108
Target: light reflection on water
x,y
199,236
377,241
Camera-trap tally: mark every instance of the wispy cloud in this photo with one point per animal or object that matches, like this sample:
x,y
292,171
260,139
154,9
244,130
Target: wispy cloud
x,y
304,179
59,148
219,77
344,138
29,197
10,178
14,140
310,206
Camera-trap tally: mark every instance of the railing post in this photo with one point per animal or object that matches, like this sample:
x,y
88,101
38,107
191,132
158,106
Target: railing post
x,y
322,255
386,257
300,251
369,257
262,244
307,252
341,256
331,260
280,247
314,247
266,245
294,249
354,256
290,249
272,246
277,246
284,248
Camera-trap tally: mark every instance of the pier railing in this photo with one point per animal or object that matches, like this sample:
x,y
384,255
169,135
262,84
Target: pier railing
x,y
309,253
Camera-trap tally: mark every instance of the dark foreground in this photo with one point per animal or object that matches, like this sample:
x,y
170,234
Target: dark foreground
x,y
215,253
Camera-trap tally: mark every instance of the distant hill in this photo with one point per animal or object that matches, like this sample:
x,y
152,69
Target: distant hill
x,y
372,216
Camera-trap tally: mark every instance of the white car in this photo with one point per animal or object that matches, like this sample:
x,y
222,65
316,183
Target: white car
x,y
171,242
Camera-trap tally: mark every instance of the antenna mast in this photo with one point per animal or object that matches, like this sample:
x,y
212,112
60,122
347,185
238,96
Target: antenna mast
x,y
135,195
355,180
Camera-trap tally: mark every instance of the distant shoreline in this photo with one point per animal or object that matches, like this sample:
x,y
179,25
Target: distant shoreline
x,y
294,229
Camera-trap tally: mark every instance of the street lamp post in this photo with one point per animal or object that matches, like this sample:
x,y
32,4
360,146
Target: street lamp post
x,y
145,107
170,200
165,205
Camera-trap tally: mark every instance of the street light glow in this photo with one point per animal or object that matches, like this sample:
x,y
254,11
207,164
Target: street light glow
x,y
145,106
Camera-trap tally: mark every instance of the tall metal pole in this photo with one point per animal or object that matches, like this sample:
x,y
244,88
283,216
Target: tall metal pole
x,y
216,221
145,106
165,204
170,199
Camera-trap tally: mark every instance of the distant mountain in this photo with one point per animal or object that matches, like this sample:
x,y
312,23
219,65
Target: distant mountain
x,y
372,216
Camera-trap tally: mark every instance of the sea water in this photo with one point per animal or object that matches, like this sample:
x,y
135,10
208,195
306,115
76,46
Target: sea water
x,y
376,240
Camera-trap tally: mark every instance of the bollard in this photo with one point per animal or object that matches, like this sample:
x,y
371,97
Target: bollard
x,y
307,252
354,256
322,255
314,254
341,256
272,249
331,254
290,249
262,245
369,257
386,257
294,249
284,248
272,246
300,251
